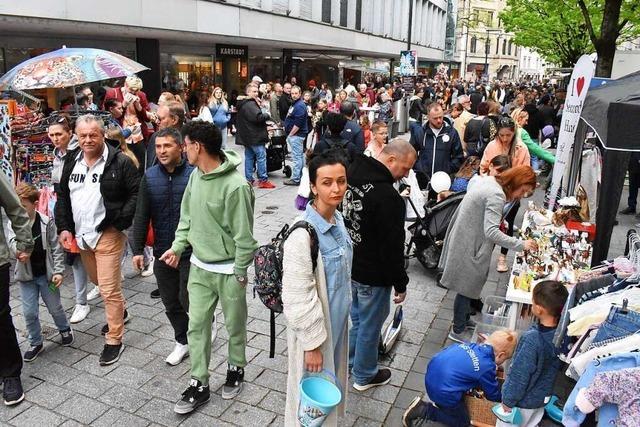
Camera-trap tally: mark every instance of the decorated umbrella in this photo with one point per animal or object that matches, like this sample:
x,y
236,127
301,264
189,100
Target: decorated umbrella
x,y
68,67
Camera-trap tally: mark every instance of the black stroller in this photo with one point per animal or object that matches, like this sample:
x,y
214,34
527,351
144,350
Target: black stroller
x,y
277,152
427,234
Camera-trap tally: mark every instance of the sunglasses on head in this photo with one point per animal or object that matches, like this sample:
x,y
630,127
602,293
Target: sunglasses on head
x,y
506,122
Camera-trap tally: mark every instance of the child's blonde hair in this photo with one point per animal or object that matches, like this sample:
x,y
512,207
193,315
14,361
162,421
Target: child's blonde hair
x,y
27,191
504,340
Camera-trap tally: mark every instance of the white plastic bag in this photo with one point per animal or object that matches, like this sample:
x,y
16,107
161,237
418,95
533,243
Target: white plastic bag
x,y
304,188
416,196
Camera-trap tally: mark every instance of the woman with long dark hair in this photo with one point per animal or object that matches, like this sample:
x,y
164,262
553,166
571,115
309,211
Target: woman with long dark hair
x,y
316,300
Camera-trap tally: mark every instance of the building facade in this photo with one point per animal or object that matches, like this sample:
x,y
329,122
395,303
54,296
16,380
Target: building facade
x,y
483,48
531,66
227,42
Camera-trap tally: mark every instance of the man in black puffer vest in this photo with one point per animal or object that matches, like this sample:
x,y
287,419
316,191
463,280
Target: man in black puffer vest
x,y
159,200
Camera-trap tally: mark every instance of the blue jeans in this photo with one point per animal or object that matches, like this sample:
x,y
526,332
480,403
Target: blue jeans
x,y
453,417
255,154
31,290
297,154
618,325
80,279
224,138
369,308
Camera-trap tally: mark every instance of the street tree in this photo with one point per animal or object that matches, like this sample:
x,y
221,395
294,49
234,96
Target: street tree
x,y
563,30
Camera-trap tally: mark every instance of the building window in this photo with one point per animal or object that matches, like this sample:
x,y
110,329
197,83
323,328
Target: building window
x,y
344,8
474,44
359,15
497,45
510,46
504,47
326,11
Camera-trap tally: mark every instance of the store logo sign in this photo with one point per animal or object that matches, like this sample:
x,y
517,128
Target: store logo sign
x,y
231,51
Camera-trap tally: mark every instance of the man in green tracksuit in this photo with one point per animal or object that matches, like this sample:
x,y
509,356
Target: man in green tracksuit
x,y
216,220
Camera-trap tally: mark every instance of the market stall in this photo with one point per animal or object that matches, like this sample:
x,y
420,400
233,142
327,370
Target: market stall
x,y
610,111
27,150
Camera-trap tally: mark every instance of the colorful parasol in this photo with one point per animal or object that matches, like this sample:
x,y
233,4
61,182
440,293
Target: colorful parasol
x,y
68,67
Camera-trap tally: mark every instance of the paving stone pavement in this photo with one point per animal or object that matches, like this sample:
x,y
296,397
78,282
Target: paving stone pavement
x,y
66,386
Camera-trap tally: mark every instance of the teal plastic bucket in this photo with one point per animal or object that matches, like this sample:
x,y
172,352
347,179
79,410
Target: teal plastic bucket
x,y
319,394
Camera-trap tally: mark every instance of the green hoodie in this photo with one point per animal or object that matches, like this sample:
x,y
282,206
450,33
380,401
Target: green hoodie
x,y
216,216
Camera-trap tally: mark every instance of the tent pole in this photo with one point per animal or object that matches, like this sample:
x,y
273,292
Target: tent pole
x,y
576,160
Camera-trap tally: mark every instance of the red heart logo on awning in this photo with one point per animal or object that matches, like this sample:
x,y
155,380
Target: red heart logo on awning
x,y
580,85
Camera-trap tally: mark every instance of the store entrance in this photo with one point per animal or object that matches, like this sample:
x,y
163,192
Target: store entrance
x,y
232,74
232,69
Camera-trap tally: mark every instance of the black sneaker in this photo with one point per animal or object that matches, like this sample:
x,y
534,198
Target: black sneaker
x,y
415,413
111,353
155,294
66,337
12,392
105,328
628,211
195,395
233,386
382,377
33,352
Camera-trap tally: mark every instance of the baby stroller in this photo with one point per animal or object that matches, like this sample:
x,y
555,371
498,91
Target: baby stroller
x,y
277,151
427,233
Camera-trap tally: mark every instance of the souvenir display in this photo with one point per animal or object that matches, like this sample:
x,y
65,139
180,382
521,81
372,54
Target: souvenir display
x,y
561,252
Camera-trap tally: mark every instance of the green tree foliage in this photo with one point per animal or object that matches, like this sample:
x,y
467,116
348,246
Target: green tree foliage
x,y
562,30
548,27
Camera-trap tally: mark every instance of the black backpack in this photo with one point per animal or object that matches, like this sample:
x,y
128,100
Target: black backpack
x,y
268,265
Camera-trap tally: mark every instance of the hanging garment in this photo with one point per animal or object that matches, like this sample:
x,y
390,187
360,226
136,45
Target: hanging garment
x,y
572,416
603,303
580,362
617,387
619,323
590,173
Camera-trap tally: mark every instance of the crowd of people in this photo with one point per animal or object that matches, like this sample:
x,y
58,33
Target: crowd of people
x,y
160,180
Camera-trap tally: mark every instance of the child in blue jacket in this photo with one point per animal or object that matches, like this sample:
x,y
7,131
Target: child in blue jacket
x,y
454,371
535,363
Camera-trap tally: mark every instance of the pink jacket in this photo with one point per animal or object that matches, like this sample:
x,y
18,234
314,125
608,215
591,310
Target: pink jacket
x,y
495,148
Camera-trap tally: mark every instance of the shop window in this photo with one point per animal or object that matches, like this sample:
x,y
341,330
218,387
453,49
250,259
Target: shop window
x,y
344,8
326,11
305,9
474,44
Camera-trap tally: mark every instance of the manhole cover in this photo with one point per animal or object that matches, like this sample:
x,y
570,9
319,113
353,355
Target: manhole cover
x,y
272,208
267,212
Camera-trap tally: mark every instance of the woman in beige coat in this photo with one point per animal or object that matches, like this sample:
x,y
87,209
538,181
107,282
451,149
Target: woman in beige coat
x,y
316,302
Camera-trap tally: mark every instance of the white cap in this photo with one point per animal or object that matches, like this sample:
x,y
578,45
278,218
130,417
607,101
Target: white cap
x,y
256,79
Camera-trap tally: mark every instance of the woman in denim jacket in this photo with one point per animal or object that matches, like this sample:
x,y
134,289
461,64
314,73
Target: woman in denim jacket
x,y
316,303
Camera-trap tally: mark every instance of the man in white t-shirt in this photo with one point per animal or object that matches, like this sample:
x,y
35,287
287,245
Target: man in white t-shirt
x,y
96,202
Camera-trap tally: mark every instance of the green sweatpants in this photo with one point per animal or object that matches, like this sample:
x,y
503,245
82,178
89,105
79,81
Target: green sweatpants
x,y
205,289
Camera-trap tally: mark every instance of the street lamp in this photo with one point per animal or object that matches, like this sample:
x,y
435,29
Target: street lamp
x,y
486,50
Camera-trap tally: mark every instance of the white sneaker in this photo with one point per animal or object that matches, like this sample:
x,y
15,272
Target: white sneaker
x,y
80,313
93,293
148,269
180,351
